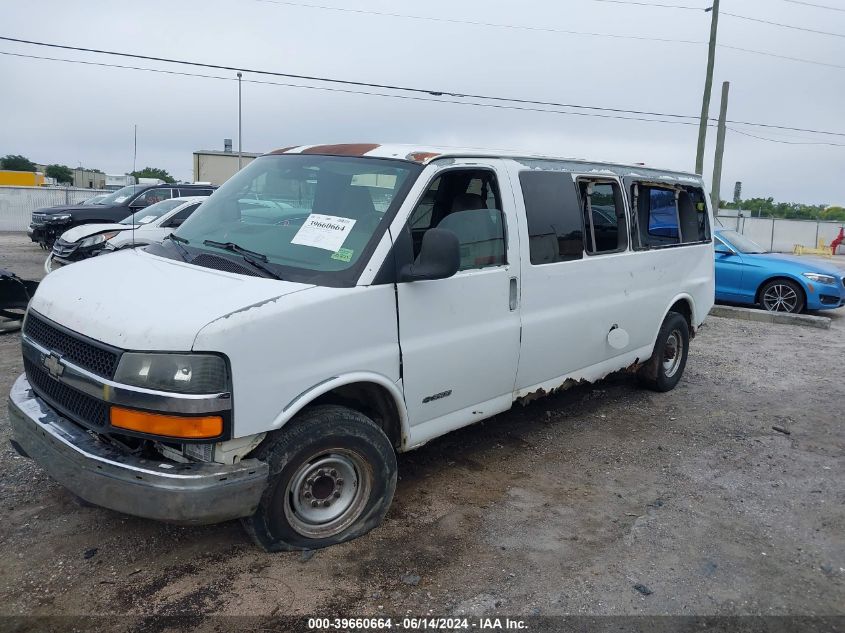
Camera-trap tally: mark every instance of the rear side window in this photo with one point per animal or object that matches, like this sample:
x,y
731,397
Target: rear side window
x,y
186,193
663,214
605,227
669,215
555,229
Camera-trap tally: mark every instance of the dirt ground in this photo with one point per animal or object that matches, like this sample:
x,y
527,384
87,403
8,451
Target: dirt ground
x,y
560,507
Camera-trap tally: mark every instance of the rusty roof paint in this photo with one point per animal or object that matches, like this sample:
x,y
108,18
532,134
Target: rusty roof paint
x,y
343,149
281,151
422,157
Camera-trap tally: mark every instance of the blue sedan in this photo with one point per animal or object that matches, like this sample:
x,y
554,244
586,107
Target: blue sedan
x,y
746,273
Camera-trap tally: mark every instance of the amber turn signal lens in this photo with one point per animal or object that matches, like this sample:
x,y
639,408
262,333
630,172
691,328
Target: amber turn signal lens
x,y
167,425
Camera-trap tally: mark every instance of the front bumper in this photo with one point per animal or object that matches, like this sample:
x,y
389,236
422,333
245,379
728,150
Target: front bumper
x,y
195,493
826,297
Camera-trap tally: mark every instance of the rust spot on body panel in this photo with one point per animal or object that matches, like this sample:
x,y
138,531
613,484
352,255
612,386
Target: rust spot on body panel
x,y
284,150
348,149
422,157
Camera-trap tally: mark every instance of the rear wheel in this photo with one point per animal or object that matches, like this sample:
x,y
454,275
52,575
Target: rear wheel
x,y
666,366
332,478
782,295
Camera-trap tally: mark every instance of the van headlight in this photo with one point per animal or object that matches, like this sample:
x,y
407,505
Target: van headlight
x,y
181,373
821,279
97,239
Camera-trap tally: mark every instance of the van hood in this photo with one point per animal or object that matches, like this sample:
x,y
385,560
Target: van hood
x,y
138,301
87,230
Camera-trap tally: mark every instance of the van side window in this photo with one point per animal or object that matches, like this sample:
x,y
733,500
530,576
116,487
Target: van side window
x,y
663,214
555,229
466,202
669,216
692,210
605,227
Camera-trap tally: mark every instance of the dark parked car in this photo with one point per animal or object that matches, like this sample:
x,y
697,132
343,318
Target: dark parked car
x,y
50,223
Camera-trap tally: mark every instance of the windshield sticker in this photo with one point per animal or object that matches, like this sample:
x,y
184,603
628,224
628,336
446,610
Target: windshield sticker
x,y
328,232
147,219
343,255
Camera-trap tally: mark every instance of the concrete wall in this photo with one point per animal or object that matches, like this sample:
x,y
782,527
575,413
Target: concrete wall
x,y
217,168
780,235
18,203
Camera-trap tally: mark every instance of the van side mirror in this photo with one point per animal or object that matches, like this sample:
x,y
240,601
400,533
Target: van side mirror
x,y
440,257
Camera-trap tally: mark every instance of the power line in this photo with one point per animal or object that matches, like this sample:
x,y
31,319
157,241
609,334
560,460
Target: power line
x,y
552,30
816,6
425,91
433,92
774,140
655,5
785,26
497,25
351,91
775,55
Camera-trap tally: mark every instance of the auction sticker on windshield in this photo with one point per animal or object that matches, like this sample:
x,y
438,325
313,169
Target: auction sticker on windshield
x,y
328,232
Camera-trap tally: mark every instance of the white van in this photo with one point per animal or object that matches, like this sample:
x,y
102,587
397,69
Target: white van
x,y
332,305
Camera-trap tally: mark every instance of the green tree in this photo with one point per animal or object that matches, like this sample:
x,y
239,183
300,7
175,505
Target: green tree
x,y
62,173
16,162
834,214
154,172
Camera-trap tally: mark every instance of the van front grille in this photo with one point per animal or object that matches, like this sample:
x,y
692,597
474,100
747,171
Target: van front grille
x,y
78,406
86,354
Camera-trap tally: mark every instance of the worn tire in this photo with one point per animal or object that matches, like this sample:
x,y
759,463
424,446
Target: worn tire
x,y
661,373
781,288
316,436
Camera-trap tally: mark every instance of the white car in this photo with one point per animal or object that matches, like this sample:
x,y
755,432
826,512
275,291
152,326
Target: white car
x,y
151,224
330,306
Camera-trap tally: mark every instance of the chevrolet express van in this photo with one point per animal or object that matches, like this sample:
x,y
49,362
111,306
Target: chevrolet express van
x,y
332,305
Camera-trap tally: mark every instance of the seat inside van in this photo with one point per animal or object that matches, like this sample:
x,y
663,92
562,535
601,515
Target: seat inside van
x,y
466,202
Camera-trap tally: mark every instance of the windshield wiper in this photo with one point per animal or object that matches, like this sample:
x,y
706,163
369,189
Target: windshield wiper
x,y
178,241
256,259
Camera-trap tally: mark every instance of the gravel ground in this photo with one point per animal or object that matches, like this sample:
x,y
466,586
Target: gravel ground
x,y
564,506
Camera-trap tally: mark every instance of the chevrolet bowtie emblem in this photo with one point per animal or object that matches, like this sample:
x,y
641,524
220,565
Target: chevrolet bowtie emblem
x,y
53,364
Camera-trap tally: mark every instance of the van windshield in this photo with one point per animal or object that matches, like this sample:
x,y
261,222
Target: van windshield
x,y
306,214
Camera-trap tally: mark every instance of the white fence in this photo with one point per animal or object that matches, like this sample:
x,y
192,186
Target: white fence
x,y
780,235
18,203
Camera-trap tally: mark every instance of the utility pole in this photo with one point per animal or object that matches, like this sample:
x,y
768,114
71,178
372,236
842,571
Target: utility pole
x,y
240,148
720,149
708,86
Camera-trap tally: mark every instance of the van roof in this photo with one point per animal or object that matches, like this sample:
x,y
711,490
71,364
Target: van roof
x,y
424,154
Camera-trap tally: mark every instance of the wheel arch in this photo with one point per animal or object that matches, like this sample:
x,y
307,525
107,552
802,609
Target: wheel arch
x,y
684,304
371,394
783,276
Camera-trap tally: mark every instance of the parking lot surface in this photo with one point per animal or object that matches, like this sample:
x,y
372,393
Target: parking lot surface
x,y
573,504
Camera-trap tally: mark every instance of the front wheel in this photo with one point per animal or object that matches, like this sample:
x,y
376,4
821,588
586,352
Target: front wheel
x,y
782,295
666,366
332,478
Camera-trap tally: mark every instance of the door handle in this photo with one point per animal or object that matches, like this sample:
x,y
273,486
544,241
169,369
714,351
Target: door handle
x,y
513,300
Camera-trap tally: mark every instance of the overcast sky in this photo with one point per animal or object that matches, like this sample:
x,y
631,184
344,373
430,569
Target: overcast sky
x,y
75,114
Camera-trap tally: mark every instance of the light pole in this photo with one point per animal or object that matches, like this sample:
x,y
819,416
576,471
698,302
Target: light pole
x,y
240,148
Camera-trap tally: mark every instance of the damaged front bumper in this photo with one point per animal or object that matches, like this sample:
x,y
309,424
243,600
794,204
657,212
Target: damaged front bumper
x,y
195,493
